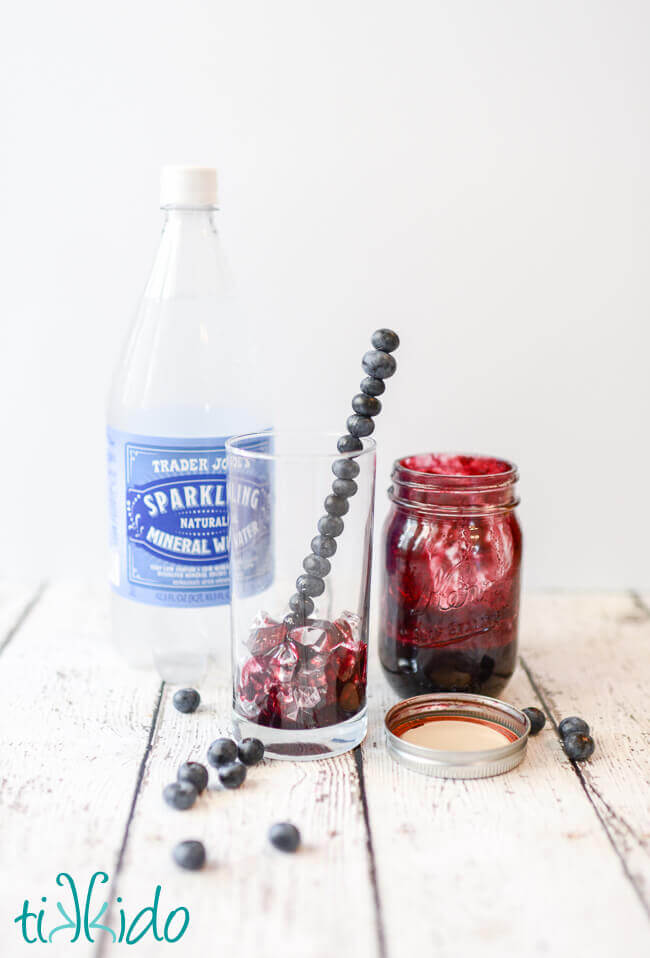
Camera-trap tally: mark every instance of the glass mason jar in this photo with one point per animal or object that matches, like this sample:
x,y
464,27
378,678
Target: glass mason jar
x,y
300,657
450,596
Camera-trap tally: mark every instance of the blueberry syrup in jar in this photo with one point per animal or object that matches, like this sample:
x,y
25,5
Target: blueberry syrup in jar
x,y
450,596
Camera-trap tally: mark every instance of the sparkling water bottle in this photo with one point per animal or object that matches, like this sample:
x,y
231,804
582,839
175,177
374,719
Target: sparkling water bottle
x,y
181,387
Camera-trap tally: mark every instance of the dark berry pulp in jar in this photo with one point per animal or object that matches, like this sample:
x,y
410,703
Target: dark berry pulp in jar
x,y
450,596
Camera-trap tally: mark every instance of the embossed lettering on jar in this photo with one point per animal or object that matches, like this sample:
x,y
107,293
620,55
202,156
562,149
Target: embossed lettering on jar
x,y
450,596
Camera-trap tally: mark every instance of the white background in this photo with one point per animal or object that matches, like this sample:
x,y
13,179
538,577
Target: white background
x,y
475,174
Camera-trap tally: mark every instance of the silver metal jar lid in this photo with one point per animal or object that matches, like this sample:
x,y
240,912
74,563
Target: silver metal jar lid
x,y
420,709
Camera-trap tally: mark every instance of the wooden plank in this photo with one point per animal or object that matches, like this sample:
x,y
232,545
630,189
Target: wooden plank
x,y
514,865
590,656
73,725
317,903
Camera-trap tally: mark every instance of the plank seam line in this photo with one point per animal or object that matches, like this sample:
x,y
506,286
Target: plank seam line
x,y
134,801
372,864
24,614
581,778
639,603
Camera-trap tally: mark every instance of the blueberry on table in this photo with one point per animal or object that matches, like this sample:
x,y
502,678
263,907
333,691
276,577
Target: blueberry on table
x,y
378,364
186,700
579,747
180,795
372,386
251,751
331,525
189,855
349,444
537,719
222,752
284,836
573,724
233,775
194,773
385,339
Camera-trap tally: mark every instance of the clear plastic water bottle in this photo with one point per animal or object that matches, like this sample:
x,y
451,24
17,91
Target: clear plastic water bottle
x,y
181,387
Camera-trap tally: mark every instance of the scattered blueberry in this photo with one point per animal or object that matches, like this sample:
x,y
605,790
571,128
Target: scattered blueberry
x,y
233,775
345,468
360,425
194,773
385,339
284,836
330,525
349,444
366,405
189,855
317,564
336,506
344,487
373,387
222,752
573,724
579,747
301,604
186,700
251,751
180,795
310,585
537,719
378,364
323,547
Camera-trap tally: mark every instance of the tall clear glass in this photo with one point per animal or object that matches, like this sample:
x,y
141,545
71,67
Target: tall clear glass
x,y
299,677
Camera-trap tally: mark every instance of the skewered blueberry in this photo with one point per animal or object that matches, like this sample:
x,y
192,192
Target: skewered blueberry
x,y
336,505
180,795
366,405
372,386
233,775
537,719
194,773
189,855
345,468
349,444
301,604
317,564
284,836
344,487
378,364
251,751
186,700
360,425
324,546
573,724
310,585
292,620
385,339
330,525
579,747
222,752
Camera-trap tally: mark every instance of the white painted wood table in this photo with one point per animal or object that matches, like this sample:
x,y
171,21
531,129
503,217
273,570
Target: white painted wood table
x,y
551,859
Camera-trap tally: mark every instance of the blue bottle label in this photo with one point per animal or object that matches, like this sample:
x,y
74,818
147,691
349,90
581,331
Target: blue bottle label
x,y
173,547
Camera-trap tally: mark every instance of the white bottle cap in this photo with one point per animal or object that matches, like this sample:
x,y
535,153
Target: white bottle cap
x,y
188,186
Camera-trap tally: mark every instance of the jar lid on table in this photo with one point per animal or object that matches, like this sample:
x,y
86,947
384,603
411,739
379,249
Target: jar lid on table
x,y
456,735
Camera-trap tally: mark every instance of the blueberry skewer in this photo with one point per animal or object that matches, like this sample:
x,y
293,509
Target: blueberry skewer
x,y
378,364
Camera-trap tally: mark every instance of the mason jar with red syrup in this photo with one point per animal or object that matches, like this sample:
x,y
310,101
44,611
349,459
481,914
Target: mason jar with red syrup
x,y
450,596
